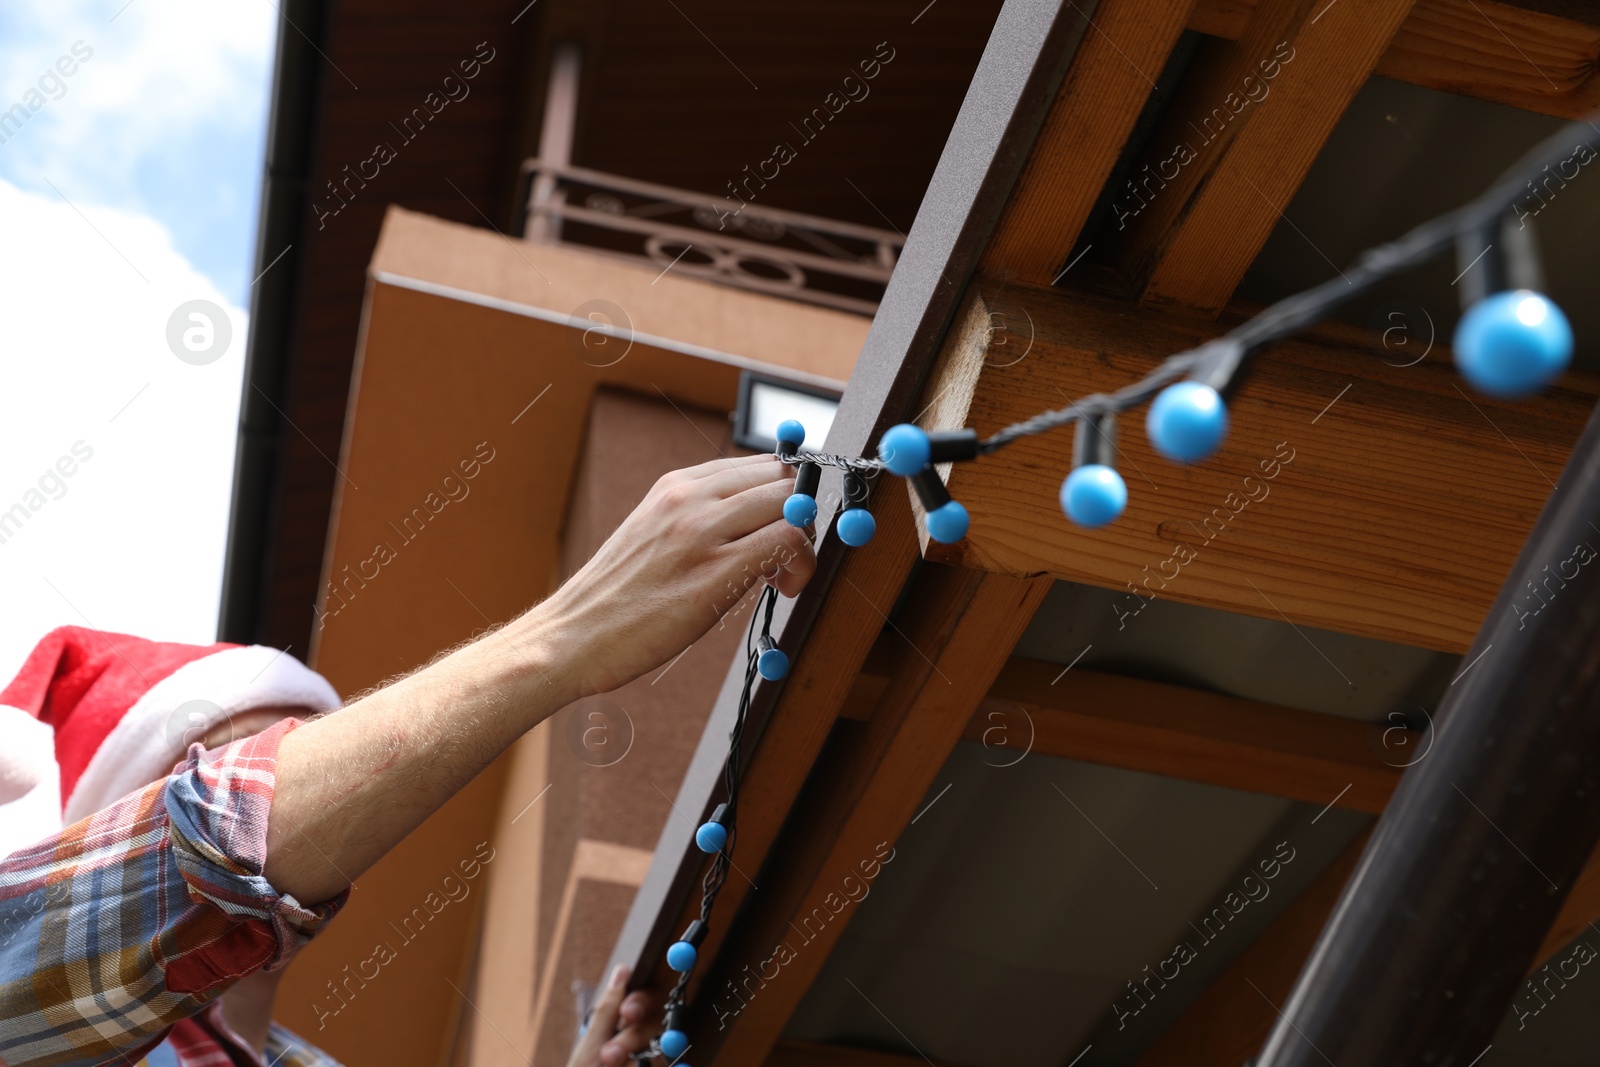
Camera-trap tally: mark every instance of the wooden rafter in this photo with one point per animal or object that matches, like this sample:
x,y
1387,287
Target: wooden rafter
x,y
1186,733
959,627
1337,500
1172,730
1106,87
1541,58
1245,125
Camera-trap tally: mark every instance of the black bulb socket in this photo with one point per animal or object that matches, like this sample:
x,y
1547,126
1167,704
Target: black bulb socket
x,y
952,446
808,479
855,490
1095,440
930,489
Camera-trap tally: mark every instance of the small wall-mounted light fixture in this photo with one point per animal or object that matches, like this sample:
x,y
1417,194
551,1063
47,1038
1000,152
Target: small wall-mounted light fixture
x,y
765,401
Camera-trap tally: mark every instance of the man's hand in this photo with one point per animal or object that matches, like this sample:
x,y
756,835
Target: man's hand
x,y
617,1027
349,786
700,540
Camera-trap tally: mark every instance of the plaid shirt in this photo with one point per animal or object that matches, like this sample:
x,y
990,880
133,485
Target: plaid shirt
x,y
119,934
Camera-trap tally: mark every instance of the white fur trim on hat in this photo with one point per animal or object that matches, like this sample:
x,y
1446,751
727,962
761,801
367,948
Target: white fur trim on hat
x,y
156,731
30,781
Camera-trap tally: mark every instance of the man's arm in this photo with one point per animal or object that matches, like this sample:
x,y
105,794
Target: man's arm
x,y
350,786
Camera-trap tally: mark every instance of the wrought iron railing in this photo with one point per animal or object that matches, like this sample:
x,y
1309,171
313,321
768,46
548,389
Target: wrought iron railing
x,y
784,253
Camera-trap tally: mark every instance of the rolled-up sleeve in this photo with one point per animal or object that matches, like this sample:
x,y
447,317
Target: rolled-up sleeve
x,y
142,914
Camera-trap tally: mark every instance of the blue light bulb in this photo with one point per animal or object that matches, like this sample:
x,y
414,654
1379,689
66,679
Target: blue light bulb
x,y
1093,495
856,527
1187,422
800,509
773,664
674,1043
948,523
711,837
681,956
790,432
904,449
1512,344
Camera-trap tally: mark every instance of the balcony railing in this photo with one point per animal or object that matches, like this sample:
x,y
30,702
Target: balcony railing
x,y
783,253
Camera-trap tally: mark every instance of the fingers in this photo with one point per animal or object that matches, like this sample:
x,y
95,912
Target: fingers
x,y
716,466
781,554
735,479
609,1006
615,1053
797,572
602,1021
746,512
639,1006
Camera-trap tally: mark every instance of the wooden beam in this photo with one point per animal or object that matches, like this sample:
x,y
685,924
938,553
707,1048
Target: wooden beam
x,y
1230,1020
1340,500
1186,733
958,628
1534,60
1172,730
1541,58
1100,100
1246,123
1228,19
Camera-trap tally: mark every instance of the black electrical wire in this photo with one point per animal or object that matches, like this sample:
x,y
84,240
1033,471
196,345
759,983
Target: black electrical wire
x,y
733,773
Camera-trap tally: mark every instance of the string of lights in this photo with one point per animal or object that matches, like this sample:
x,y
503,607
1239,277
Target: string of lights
x,y
716,836
1511,341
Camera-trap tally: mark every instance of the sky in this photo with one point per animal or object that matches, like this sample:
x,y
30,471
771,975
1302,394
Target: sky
x,y
128,193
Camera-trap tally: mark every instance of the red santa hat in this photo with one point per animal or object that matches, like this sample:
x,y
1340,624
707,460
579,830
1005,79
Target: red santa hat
x,y
94,716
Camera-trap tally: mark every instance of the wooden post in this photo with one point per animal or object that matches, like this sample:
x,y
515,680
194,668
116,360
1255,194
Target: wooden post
x,y
1485,835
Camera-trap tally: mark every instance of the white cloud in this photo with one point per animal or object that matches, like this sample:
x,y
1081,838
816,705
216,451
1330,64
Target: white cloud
x,y
162,67
133,539
165,117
